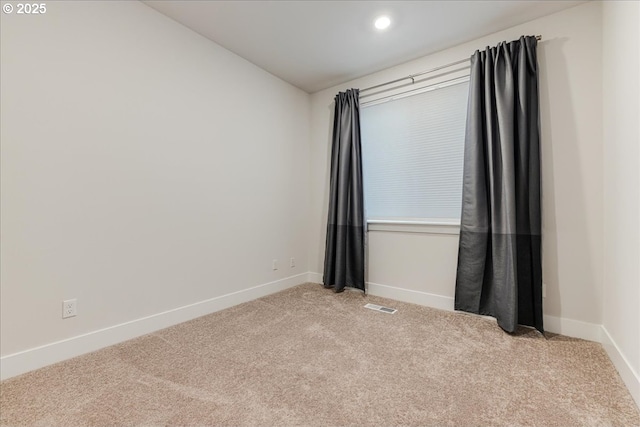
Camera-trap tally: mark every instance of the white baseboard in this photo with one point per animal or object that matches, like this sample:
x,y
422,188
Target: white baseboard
x,y
558,325
400,294
573,328
38,357
408,295
629,376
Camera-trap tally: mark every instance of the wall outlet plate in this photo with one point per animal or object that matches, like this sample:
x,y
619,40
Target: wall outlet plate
x,y
69,308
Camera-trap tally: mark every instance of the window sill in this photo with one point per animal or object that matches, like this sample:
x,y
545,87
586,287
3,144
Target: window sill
x,y
424,226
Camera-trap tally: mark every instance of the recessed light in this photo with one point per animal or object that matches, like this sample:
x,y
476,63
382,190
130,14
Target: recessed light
x,y
382,22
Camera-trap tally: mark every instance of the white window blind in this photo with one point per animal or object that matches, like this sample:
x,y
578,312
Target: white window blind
x,y
413,150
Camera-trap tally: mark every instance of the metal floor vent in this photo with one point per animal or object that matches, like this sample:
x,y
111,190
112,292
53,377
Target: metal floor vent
x,y
381,308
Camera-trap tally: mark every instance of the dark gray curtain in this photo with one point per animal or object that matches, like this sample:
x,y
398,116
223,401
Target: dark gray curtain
x,y
344,254
499,260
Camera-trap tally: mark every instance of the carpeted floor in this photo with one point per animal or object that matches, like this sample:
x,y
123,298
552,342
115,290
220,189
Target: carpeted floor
x,y
307,356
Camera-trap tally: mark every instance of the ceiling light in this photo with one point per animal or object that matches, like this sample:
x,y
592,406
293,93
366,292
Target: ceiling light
x,y
382,22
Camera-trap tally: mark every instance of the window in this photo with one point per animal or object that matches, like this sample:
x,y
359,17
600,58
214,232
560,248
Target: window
x,y
413,151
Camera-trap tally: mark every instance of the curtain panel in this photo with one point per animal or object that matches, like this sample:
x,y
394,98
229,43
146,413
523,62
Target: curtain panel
x,y
344,252
499,261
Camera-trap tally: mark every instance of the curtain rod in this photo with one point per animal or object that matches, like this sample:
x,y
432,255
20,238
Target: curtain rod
x,y
413,76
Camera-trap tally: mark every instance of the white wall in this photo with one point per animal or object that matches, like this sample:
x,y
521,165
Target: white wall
x,y
144,168
423,266
621,314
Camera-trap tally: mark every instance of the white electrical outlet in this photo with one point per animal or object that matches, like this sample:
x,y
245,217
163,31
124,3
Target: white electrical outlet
x,y
275,264
544,290
69,308
292,262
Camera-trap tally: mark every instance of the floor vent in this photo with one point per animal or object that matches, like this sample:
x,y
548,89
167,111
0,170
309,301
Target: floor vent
x,y
381,308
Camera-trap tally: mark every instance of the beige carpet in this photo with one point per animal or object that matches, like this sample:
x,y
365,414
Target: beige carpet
x,y
307,356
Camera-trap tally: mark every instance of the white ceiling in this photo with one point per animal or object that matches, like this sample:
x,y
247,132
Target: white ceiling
x,y
318,44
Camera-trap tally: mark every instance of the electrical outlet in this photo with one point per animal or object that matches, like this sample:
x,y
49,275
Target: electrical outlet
x,y
69,308
292,262
544,290
275,264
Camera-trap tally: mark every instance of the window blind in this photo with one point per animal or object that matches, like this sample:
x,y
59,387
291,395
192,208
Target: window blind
x,y
412,151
